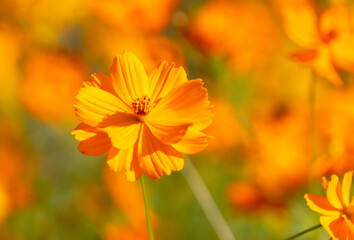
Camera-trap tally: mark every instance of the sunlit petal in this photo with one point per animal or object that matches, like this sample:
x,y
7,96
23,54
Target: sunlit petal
x,y
94,104
129,77
157,158
193,142
321,205
164,78
301,25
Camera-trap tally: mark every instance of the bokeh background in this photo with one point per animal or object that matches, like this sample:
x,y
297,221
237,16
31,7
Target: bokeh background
x,y
278,126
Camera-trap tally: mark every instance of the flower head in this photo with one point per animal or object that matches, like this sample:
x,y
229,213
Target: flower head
x,y
337,212
327,41
144,121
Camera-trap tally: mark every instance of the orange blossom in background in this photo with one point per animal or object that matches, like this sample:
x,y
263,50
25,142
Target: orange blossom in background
x,y
144,121
327,41
337,212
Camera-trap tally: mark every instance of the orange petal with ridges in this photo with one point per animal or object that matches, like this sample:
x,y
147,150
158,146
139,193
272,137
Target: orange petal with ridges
x,y
123,137
129,77
94,104
347,182
321,205
95,145
301,26
100,80
334,192
125,160
187,102
83,132
164,78
193,142
169,134
157,158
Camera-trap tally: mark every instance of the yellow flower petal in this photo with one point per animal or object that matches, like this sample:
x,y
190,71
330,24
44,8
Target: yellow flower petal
x,y
347,182
83,132
324,66
321,205
193,142
337,227
157,158
125,136
343,52
100,80
125,159
96,145
326,221
301,26
164,78
129,77
169,132
94,104
187,102
92,141
104,82
334,192
335,21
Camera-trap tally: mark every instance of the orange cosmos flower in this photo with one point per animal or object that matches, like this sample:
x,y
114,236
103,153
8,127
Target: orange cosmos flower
x,y
144,121
337,212
328,42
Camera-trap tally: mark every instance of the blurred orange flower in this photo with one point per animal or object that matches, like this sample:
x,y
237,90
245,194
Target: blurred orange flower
x,y
327,41
249,197
51,81
337,212
143,120
147,16
335,127
227,132
281,147
210,31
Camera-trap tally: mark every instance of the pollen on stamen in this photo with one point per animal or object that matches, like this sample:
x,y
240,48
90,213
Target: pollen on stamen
x,y
142,106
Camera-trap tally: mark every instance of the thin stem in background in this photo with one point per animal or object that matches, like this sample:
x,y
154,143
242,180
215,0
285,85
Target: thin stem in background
x,y
147,210
303,232
206,201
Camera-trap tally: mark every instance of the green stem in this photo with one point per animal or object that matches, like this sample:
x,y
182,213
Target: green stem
x,y
206,201
303,232
147,211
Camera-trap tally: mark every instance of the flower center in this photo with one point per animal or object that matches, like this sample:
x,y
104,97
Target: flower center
x,y
349,212
142,106
329,36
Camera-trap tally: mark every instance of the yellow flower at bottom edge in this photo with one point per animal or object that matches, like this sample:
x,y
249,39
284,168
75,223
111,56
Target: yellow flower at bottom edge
x,y
144,121
337,212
